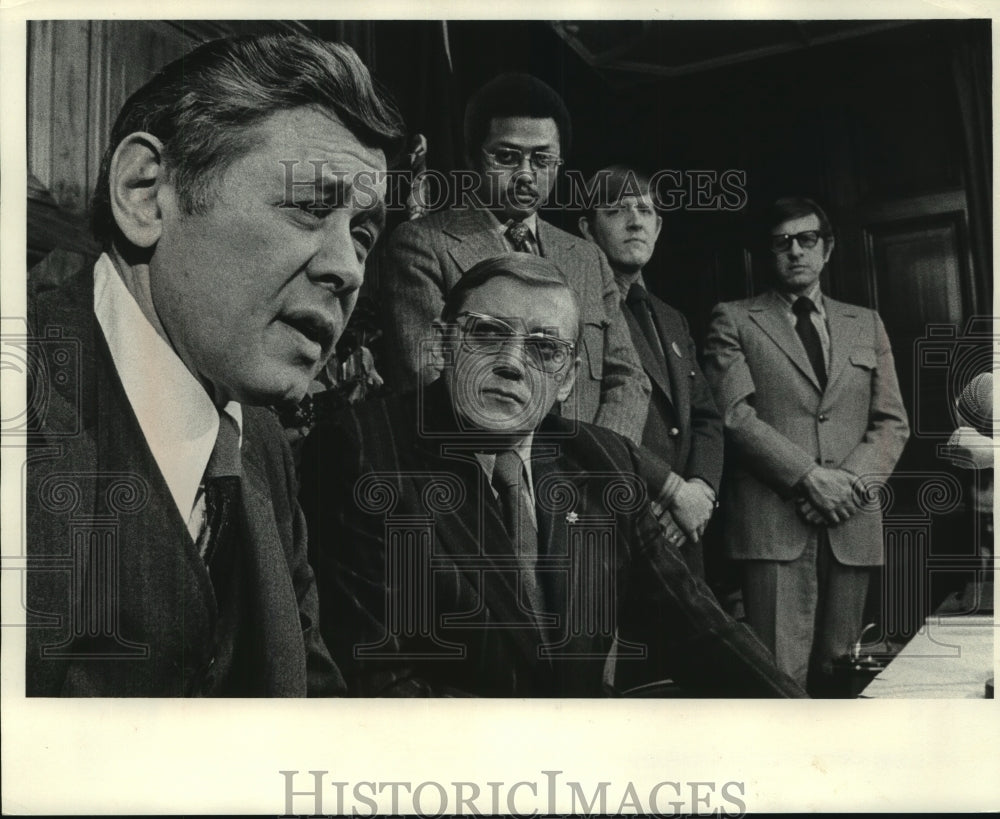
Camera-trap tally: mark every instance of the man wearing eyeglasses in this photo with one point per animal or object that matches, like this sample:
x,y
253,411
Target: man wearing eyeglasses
x,y
517,131
814,421
470,542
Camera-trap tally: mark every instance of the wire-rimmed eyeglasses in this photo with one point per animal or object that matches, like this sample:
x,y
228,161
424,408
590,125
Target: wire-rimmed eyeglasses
x,y
482,333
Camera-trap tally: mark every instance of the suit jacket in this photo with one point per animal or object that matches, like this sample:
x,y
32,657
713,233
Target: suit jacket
x,y
100,516
418,582
779,422
427,256
683,426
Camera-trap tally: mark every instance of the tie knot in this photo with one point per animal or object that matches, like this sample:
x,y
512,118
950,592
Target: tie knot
x,y
507,469
637,295
225,458
803,306
519,234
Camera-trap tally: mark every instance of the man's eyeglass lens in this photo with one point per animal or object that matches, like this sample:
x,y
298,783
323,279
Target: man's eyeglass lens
x,y
486,334
512,158
783,241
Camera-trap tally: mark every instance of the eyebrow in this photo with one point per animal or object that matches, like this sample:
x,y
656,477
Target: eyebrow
x,y
336,191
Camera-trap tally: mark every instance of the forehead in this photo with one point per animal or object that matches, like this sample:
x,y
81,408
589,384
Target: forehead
x,y
523,131
302,141
540,306
799,224
630,201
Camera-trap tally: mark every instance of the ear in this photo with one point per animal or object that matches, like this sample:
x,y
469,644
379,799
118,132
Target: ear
x,y
827,249
440,353
584,224
136,176
659,224
566,387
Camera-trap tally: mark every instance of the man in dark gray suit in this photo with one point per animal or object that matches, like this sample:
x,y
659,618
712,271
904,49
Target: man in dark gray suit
x,y
468,542
810,401
166,547
683,427
517,131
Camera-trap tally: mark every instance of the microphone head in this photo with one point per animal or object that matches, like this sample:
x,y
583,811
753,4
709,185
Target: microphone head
x,y
975,404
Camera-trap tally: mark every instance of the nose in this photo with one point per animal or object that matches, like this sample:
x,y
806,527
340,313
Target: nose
x,y
510,360
795,249
335,263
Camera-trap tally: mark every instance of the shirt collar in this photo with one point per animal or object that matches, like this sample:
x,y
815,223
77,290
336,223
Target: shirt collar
x,y
814,294
624,284
176,415
501,227
523,449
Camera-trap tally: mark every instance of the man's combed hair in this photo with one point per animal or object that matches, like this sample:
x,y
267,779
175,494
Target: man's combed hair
x,y
514,95
795,207
202,106
610,185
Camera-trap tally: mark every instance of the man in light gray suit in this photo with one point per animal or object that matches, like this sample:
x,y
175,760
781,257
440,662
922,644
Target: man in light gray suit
x,y
516,132
813,416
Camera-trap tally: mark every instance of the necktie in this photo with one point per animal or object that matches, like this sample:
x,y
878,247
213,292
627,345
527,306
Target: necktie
x,y
520,237
518,517
638,302
222,491
803,309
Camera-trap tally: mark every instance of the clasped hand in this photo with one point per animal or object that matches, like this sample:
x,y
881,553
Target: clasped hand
x,y
828,496
686,515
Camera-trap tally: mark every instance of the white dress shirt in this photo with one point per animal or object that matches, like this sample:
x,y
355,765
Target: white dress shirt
x,y
176,414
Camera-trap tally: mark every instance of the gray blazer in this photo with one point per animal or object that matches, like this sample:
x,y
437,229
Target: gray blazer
x,y
424,259
778,423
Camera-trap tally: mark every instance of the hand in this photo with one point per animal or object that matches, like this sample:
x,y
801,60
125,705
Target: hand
x,y
672,532
831,492
692,506
809,513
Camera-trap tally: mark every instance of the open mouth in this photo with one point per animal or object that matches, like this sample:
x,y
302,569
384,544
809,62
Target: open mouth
x,y
316,327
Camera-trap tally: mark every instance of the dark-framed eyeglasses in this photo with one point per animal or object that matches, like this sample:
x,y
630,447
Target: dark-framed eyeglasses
x,y
782,242
482,333
513,157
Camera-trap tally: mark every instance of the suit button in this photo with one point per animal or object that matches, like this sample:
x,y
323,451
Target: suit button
x,y
823,417
674,432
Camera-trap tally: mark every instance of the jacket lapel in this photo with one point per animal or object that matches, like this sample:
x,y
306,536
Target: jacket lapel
x,y
282,661
648,357
476,235
769,314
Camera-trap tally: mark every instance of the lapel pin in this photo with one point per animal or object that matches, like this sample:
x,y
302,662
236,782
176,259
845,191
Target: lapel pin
x,y
676,349
572,517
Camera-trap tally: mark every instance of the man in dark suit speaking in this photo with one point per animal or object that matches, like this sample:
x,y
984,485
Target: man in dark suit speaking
x,y
468,542
166,551
683,427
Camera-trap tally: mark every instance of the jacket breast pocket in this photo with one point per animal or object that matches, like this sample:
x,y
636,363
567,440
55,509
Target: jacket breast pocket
x,y
593,342
865,359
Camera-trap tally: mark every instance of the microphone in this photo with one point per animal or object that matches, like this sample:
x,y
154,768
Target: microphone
x,y
975,404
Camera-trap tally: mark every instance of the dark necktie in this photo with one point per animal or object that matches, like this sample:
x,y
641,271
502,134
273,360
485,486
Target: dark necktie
x,y
519,519
638,302
520,237
803,309
222,494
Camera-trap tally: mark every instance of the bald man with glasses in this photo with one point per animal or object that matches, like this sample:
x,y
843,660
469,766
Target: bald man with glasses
x,y
468,542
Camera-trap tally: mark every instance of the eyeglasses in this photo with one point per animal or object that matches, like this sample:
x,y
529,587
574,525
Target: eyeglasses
x,y
782,242
488,334
513,157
